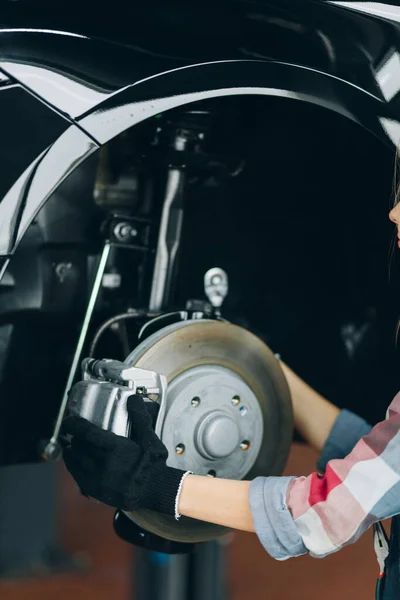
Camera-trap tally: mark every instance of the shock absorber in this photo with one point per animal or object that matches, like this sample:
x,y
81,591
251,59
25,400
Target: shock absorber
x,y
185,139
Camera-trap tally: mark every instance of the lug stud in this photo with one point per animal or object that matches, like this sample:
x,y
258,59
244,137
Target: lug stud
x,y
180,449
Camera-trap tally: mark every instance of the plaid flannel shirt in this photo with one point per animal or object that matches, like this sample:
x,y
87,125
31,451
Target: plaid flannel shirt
x,y
320,514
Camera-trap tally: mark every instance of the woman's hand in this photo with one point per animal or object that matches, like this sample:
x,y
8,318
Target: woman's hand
x,y
132,473
124,473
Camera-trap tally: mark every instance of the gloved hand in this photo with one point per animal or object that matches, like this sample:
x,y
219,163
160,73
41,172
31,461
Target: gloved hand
x,y
125,473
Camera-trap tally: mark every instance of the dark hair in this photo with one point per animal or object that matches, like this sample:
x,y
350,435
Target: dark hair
x,y
396,196
396,178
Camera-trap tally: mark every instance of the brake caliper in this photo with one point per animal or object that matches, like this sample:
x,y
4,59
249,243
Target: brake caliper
x,y
106,385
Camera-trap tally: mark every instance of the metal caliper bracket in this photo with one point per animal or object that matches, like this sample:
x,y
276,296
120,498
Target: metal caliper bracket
x,y
106,385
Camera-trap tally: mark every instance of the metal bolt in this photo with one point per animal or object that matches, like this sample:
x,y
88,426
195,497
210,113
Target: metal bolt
x,y
111,281
195,401
180,449
235,400
245,445
124,231
62,270
216,280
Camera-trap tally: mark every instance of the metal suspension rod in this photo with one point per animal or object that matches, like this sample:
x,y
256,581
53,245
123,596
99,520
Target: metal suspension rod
x,y
53,448
169,239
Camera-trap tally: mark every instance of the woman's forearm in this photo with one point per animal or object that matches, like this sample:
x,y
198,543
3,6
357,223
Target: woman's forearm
x,y
314,416
220,501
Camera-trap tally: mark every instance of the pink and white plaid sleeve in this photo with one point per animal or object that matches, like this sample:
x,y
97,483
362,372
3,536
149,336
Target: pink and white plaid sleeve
x,y
334,509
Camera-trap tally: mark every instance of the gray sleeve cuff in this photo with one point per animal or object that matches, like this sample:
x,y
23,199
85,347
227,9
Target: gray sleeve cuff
x,y
347,430
272,520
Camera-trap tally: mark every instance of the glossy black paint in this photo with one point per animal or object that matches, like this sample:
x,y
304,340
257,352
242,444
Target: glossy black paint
x,y
23,139
78,63
73,77
105,71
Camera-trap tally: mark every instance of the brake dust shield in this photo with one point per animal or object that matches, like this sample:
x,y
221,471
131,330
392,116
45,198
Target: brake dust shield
x,y
228,411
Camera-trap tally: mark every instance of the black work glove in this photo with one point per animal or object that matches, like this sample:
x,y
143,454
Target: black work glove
x,y
125,473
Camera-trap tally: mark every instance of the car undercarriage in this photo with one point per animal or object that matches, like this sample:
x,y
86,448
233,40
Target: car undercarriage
x,y
189,226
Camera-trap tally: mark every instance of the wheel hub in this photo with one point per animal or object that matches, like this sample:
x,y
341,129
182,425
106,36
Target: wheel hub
x,y
227,411
210,413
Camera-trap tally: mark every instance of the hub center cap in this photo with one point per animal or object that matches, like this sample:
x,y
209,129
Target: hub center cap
x,y
217,435
213,423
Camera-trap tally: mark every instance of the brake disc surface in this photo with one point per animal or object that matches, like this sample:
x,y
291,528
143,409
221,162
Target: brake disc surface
x,y
228,410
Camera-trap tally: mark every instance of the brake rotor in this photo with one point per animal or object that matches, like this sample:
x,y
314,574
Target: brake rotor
x,y
228,410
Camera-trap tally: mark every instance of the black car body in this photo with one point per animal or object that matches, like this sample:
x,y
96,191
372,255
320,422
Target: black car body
x,y
308,264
